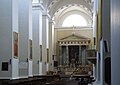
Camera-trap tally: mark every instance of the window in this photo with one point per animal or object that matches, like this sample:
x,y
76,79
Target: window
x,y
74,20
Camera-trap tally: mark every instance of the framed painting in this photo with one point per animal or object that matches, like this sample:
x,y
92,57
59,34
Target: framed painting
x,y
47,55
15,37
30,43
40,53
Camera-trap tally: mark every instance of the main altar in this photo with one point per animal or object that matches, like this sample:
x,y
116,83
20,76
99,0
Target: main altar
x,y
72,55
72,50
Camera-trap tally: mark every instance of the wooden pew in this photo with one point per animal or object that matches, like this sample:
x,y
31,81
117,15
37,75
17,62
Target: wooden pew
x,y
24,81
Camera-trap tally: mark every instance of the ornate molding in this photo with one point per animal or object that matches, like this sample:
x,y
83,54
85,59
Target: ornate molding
x,y
80,42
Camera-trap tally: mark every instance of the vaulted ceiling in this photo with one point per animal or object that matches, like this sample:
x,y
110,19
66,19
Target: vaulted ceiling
x,y
57,5
60,9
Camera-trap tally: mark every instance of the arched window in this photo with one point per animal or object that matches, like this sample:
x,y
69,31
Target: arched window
x,y
74,20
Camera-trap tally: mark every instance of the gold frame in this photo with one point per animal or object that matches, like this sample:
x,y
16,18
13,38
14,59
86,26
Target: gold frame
x,y
15,44
31,50
47,55
40,53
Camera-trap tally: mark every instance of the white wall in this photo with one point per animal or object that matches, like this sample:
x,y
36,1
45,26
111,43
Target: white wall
x,y
40,39
40,27
106,36
15,62
44,42
24,18
30,62
36,46
51,48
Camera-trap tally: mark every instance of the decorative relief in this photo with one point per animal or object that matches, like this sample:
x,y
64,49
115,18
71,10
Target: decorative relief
x,y
74,42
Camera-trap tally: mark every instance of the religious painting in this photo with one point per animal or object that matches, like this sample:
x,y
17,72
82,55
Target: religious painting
x,y
15,37
47,55
73,54
30,42
41,53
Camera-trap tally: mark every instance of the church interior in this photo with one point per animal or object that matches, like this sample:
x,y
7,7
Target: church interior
x,y
59,42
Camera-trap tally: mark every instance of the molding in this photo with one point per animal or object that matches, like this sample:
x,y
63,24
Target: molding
x,y
30,75
14,78
71,28
38,6
23,77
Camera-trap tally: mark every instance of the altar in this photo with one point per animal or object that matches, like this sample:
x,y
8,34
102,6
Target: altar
x,y
72,50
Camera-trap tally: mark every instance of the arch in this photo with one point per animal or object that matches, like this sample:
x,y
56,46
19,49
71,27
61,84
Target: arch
x,y
60,19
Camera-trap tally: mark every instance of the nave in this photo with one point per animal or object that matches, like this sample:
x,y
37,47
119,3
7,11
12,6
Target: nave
x,y
35,40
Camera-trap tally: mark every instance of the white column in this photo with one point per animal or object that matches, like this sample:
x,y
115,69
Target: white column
x,y
40,41
8,25
101,63
37,18
115,41
36,41
94,21
51,41
44,42
30,62
15,62
24,24
98,68
83,57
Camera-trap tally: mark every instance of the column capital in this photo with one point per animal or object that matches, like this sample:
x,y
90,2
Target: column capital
x,y
51,21
45,13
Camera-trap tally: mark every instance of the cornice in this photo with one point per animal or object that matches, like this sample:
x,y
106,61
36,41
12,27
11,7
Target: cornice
x,y
38,6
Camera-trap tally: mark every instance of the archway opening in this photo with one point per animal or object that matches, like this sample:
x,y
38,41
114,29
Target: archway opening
x,y
74,20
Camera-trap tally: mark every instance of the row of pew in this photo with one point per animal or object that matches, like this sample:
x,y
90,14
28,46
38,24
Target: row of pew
x,y
44,80
35,80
